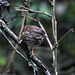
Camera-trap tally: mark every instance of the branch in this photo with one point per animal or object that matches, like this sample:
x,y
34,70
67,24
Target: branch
x,y
13,46
25,48
47,38
70,30
54,29
31,11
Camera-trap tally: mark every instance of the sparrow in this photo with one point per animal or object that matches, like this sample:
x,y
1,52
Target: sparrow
x,y
32,36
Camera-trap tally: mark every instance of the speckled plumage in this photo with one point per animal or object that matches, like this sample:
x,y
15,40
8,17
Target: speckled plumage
x,y
32,35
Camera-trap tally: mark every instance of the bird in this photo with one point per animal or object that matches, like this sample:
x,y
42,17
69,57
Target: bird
x,y
32,36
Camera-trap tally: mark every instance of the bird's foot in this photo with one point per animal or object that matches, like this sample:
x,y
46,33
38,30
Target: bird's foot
x,y
31,53
20,41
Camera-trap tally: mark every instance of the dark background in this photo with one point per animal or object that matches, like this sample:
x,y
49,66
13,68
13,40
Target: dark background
x,y
65,16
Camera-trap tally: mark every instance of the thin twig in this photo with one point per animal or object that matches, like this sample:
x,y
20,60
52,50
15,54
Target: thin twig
x,y
31,11
50,3
70,30
49,42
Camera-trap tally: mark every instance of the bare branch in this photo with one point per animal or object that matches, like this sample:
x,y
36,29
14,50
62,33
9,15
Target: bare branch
x,y
54,28
31,11
70,30
49,42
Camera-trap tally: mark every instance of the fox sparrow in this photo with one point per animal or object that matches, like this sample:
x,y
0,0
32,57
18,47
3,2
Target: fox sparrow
x,y
32,35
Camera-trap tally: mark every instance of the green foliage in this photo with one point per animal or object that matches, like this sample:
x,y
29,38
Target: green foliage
x,y
2,61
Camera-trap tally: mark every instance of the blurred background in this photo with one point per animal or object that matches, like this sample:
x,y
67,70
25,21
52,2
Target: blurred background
x,y
65,16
